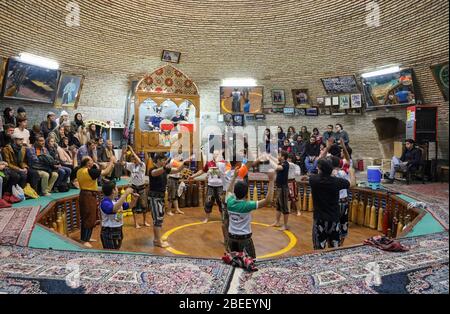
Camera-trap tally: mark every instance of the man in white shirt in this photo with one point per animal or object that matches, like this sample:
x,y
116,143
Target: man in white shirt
x,y
22,130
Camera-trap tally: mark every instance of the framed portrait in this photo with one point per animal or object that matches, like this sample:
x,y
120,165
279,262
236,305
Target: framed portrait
x,y
241,100
328,102
300,112
69,90
440,73
356,100
344,102
300,97
320,101
3,62
29,82
335,101
171,56
238,120
278,97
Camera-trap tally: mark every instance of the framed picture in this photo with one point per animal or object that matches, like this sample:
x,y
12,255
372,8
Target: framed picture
x,y
300,97
228,119
328,102
30,82
312,112
320,101
300,112
344,102
250,117
340,85
260,117
3,62
239,100
335,101
171,56
440,73
278,110
390,89
238,120
289,111
356,100
278,97
69,90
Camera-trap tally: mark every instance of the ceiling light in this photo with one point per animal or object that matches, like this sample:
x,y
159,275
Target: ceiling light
x,y
236,82
38,61
384,71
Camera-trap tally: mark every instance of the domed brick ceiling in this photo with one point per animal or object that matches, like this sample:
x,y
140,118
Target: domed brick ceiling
x,y
259,38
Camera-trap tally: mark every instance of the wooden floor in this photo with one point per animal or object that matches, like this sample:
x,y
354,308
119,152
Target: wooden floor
x,y
206,240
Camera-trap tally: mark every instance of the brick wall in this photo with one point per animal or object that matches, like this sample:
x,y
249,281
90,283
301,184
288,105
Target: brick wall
x,y
286,44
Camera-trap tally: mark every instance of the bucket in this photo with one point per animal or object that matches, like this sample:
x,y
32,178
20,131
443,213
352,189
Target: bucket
x,y
374,174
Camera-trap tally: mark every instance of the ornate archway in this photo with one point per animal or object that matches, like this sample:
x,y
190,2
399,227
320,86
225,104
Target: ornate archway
x,y
161,96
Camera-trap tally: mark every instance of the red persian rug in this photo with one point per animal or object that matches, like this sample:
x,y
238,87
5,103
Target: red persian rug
x,y
16,225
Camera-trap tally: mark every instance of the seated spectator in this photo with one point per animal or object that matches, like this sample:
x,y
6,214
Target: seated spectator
x,y
21,130
21,114
341,133
40,160
312,152
317,135
287,146
35,132
88,150
78,138
63,118
305,134
409,161
48,125
6,134
101,148
8,178
15,155
291,134
107,156
92,133
61,185
281,137
328,133
8,117
76,123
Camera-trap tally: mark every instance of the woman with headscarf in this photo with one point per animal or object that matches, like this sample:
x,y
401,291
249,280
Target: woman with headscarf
x,y
281,137
8,116
61,185
76,123
92,132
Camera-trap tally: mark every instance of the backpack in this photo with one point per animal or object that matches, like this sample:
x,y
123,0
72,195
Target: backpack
x,y
63,188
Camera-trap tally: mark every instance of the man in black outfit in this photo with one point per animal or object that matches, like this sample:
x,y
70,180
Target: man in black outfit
x,y
281,166
325,191
410,160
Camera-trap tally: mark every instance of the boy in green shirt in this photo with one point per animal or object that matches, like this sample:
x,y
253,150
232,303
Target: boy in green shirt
x,y
239,210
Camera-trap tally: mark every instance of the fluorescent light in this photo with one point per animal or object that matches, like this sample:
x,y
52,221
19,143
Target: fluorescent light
x,y
238,82
390,70
38,61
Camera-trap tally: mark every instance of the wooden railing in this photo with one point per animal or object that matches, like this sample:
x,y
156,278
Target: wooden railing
x,y
375,209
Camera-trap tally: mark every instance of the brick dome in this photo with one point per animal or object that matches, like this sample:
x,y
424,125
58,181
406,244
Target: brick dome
x,y
260,38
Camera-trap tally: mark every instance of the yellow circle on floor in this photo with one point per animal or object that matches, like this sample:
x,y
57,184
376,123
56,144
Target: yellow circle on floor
x,y
290,235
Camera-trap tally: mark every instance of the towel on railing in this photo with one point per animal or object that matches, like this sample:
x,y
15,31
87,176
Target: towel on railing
x,y
386,244
240,259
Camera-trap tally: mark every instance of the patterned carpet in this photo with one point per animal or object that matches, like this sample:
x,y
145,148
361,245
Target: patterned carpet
x,y
16,225
26,271
435,196
424,269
